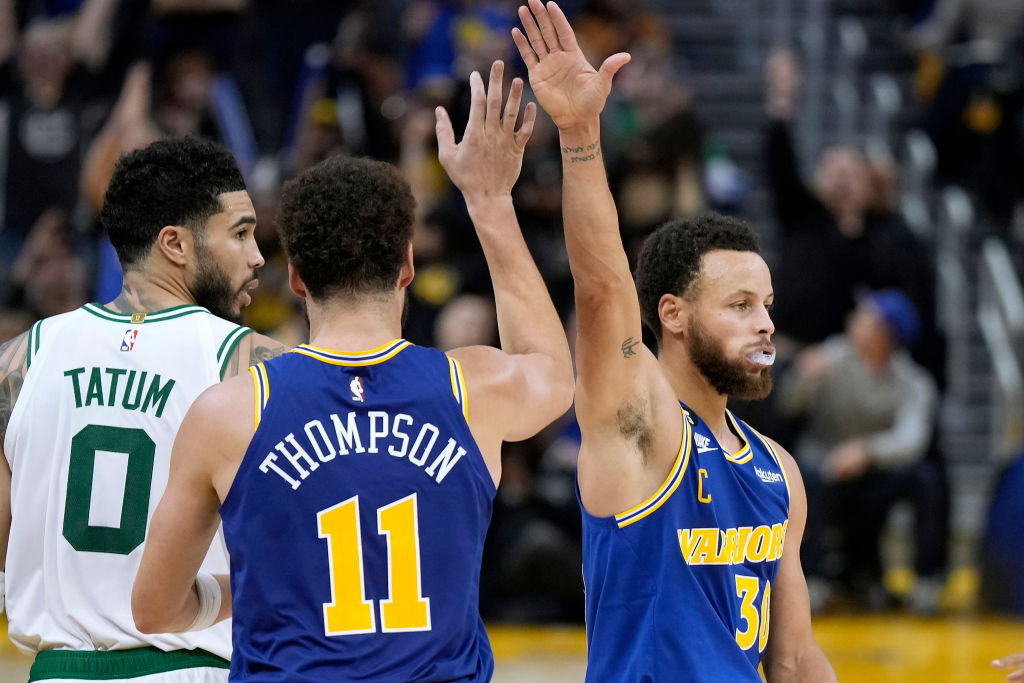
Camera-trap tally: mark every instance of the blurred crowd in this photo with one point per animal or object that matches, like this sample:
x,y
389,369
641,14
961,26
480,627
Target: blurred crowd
x,y
284,83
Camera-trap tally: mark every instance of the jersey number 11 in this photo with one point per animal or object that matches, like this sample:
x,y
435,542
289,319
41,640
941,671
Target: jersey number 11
x,y
349,612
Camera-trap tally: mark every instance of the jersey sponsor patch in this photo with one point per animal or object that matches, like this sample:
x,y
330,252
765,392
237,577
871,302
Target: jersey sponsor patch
x,y
767,476
128,341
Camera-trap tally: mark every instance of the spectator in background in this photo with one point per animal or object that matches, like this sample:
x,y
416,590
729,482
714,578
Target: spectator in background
x,y
51,101
836,236
971,56
871,416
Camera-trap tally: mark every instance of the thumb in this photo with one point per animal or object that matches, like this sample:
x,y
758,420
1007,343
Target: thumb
x,y
611,66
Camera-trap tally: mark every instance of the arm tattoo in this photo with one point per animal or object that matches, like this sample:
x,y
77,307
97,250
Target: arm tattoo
x,y
584,153
13,357
261,349
628,348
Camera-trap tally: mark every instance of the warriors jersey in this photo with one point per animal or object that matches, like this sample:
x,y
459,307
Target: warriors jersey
x,y
356,522
89,445
679,587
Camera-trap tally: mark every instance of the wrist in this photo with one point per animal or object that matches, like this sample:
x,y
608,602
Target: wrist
x,y
482,204
580,134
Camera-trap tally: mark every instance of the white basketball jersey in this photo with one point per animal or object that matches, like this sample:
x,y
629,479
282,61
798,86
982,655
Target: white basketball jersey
x,y
89,445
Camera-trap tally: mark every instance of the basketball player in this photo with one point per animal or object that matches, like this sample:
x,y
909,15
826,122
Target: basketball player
x,y
692,520
355,475
90,402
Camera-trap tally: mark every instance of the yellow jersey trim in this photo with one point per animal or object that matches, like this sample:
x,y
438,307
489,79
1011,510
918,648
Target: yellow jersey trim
x,y
675,476
261,393
744,454
354,359
458,385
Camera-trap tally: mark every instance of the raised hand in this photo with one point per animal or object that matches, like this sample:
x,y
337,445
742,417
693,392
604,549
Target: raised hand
x,y
571,91
488,160
1015,662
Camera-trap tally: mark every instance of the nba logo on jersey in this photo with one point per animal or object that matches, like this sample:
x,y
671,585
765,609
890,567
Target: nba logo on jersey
x,y
128,343
356,385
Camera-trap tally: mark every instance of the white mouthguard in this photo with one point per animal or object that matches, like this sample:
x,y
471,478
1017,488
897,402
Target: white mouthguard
x,y
761,358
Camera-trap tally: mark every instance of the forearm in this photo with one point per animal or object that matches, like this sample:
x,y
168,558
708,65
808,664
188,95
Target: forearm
x,y
527,320
596,256
811,666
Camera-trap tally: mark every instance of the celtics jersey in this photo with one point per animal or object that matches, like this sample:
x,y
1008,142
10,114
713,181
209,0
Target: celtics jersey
x,y
679,587
89,446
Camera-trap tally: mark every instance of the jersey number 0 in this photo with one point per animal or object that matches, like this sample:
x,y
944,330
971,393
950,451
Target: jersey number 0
x,y
349,612
131,531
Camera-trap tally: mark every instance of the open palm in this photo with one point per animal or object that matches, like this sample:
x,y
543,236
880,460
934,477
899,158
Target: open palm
x,y
569,89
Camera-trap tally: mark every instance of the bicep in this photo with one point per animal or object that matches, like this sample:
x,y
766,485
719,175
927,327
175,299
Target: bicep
x,y
252,349
510,397
614,366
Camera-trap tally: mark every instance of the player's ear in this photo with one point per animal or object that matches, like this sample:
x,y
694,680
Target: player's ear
x,y
408,271
673,312
175,243
295,282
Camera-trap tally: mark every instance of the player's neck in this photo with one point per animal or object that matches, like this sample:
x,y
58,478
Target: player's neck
x,y
693,389
343,324
144,292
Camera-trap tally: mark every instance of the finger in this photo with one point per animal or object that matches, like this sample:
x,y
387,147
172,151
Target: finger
x,y
494,95
527,53
562,28
477,103
1016,675
515,97
547,29
1006,662
445,134
611,66
532,32
526,130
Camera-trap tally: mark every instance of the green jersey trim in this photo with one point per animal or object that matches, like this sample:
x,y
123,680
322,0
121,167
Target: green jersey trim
x,y
106,665
228,346
33,342
154,317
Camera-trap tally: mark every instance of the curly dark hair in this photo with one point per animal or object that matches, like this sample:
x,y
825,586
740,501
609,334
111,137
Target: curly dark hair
x,y
345,224
670,260
170,182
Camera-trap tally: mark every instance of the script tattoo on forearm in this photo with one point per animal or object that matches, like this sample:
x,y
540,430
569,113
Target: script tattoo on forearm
x,y
585,153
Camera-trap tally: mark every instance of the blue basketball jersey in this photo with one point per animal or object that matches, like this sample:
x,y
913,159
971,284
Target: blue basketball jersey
x,y
679,587
356,522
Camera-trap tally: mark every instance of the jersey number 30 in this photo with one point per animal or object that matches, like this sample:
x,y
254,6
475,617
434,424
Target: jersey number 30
x,y
755,623
350,612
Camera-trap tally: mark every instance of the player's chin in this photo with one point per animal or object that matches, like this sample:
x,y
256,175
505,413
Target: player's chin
x,y
758,386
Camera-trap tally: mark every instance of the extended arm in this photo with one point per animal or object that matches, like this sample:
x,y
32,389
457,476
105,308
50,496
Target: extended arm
x,y
792,654
621,393
529,383
212,438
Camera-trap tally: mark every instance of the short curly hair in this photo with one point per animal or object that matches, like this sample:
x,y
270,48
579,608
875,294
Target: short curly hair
x,y
170,182
345,224
670,260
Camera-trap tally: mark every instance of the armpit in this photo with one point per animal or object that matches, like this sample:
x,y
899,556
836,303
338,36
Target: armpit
x,y
632,419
